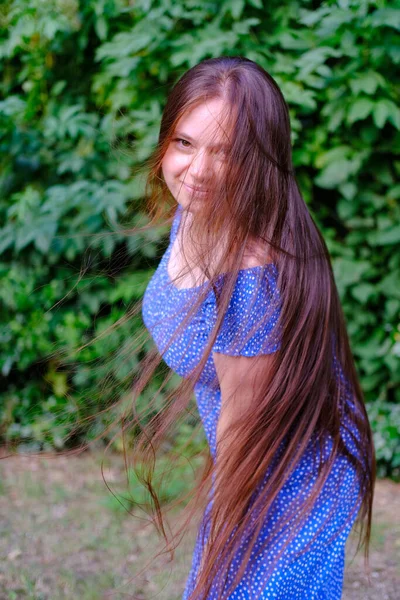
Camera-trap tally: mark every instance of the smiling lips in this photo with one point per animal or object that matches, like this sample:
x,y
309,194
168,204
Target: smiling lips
x,y
196,190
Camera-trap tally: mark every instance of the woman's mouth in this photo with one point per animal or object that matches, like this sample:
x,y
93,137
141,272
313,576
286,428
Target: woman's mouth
x,y
196,190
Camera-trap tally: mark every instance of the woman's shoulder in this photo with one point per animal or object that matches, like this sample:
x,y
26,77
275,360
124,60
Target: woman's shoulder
x,y
256,254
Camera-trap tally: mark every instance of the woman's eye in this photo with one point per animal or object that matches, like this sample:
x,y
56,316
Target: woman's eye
x,y
221,154
183,143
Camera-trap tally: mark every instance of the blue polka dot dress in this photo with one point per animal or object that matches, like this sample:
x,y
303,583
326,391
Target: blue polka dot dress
x,y
312,564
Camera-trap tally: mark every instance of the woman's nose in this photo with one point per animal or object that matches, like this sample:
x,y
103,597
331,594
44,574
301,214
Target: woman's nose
x,y
200,167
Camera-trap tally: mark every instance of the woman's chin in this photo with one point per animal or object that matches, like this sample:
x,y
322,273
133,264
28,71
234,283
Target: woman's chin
x,y
190,204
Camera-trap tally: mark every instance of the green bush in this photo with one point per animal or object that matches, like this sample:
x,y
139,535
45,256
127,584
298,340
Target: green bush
x,y
82,91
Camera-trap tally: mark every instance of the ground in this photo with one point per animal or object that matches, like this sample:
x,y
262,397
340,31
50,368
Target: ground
x,y
64,537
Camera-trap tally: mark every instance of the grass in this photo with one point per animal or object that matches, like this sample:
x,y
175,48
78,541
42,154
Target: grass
x,y
63,536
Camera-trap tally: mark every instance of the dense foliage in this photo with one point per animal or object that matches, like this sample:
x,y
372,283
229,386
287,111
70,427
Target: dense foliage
x,y
82,89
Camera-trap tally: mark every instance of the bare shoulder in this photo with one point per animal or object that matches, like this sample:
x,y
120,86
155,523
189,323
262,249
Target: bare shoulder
x,y
256,254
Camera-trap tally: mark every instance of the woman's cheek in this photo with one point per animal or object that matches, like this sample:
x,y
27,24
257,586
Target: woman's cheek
x,y
181,163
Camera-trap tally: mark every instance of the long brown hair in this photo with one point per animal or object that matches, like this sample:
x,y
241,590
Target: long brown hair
x,y
306,392
311,396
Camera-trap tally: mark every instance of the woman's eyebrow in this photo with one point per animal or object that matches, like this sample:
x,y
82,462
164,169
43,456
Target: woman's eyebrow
x,y
184,135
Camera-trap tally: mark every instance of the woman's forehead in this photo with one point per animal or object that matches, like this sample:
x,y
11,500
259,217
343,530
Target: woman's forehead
x,y
206,123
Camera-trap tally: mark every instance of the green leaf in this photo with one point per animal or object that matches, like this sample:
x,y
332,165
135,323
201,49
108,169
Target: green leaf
x,y
348,189
101,27
367,83
348,272
390,284
336,173
386,110
389,236
386,17
256,3
236,7
359,110
363,292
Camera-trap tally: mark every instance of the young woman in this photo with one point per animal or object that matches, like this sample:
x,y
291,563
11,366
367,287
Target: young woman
x,y
244,307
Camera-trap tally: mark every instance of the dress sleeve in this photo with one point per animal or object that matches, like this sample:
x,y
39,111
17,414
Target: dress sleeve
x,y
251,323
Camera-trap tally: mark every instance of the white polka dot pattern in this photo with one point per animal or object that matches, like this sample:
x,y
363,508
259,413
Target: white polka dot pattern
x,y
312,564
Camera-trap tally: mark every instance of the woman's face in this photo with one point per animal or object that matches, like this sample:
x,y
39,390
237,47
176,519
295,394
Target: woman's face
x,y
196,153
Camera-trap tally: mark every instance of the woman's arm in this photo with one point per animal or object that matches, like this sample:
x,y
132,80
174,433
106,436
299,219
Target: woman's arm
x,y
239,378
